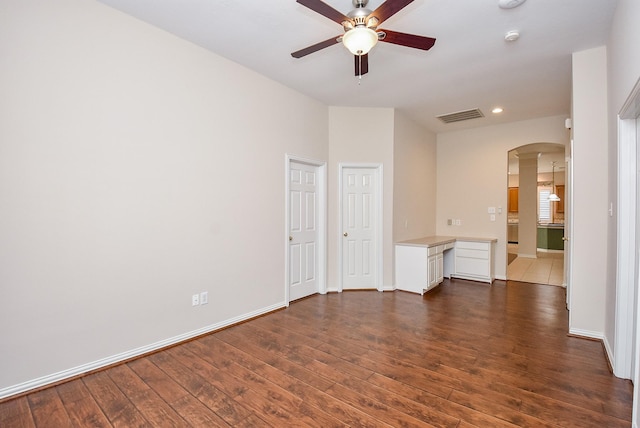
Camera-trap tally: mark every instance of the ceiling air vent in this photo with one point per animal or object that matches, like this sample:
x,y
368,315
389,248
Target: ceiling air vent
x,y
461,115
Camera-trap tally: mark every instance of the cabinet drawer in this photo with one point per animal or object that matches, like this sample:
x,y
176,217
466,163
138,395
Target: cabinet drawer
x,y
472,267
472,254
472,245
448,246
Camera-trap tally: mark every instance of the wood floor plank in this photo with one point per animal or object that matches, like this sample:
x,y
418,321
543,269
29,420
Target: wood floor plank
x,y
568,415
485,405
463,355
376,408
156,379
47,409
114,403
271,357
16,413
82,408
466,415
193,411
157,411
193,374
343,414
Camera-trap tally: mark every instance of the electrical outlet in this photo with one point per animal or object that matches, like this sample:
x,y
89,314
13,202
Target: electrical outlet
x,y
195,300
458,222
204,297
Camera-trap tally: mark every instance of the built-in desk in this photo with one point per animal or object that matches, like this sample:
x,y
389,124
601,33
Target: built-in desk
x,y
422,264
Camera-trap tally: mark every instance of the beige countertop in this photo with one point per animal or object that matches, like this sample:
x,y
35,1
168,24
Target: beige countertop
x,y
432,241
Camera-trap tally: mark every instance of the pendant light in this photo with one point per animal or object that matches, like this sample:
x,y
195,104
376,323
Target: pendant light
x,y
553,197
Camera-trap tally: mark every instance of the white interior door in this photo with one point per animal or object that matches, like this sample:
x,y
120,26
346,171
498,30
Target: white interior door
x,y
303,230
360,240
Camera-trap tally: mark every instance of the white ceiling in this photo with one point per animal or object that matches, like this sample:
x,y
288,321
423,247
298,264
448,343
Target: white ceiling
x,y
470,66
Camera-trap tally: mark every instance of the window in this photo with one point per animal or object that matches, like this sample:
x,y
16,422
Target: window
x,y
544,206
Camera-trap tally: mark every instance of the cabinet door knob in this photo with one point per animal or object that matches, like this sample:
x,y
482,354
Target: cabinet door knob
x,y
291,238
345,234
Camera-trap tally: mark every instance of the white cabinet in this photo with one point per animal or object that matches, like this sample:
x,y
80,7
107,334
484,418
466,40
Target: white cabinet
x,y
436,264
432,273
440,268
412,270
474,260
420,264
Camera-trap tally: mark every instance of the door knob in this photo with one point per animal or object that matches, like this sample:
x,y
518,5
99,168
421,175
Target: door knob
x,y
291,238
345,234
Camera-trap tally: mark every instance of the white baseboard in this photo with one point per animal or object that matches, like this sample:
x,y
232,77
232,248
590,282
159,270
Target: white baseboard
x,y
528,256
586,333
609,351
114,359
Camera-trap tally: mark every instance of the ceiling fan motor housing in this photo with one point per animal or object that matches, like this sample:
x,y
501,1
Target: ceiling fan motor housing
x,y
359,15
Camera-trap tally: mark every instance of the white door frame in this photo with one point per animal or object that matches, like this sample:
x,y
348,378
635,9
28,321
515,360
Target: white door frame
x,y
627,328
378,227
322,222
568,226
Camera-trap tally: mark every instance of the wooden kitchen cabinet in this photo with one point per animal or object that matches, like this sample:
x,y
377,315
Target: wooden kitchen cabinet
x,y
560,193
513,200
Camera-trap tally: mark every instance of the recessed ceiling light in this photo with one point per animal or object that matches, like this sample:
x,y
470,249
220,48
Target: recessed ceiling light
x,y
509,4
512,36
497,110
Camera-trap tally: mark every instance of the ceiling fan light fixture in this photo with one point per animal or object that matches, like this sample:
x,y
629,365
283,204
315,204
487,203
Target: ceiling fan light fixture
x,y
360,40
509,4
512,36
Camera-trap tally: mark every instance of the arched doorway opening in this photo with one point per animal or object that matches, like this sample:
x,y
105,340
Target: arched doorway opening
x,y
535,217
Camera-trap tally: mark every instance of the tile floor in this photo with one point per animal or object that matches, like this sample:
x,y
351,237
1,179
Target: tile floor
x,y
548,268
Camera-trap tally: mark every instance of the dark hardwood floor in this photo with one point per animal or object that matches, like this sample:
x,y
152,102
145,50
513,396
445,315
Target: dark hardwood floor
x,y
466,354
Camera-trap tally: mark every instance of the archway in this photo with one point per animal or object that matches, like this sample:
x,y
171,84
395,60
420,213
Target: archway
x,y
535,223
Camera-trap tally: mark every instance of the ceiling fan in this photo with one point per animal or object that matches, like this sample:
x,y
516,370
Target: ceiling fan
x,y
361,31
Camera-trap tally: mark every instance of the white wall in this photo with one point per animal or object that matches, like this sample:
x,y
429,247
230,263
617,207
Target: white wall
x,y
135,170
590,221
414,181
352,143
472,176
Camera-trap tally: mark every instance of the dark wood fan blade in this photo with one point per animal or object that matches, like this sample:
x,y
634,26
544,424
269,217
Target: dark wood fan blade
x,y
324,10
362,64
314,48
408,40
389,8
